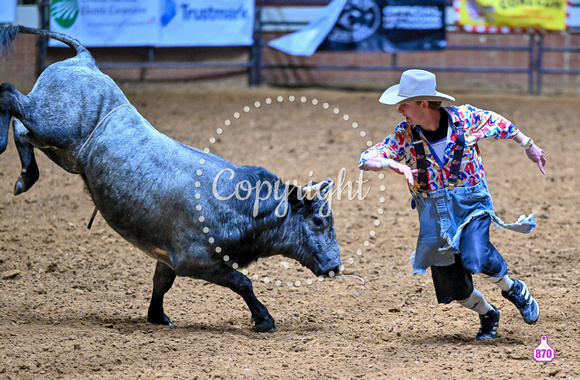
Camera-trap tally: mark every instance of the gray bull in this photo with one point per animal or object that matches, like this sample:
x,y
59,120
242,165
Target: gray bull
x,y
198,214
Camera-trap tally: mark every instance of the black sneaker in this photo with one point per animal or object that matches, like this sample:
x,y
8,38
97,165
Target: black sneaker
x,y
520,296
489,324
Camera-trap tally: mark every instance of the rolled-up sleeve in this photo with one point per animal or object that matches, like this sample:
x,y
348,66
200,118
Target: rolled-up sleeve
x,y
392,147
490,124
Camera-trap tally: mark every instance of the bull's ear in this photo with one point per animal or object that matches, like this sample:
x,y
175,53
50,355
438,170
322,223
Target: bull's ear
x,y
294,196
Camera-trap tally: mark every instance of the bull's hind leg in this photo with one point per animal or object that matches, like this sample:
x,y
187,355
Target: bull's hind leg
x,y
12,102
6,111
29,174
162,282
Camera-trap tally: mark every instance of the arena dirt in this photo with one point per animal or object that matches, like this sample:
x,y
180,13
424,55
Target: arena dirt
x,y
73,301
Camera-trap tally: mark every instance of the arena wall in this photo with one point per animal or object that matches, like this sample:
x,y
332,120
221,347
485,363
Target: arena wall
x,y
20,65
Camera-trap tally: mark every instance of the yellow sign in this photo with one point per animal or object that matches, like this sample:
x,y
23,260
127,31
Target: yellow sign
x,y
540,14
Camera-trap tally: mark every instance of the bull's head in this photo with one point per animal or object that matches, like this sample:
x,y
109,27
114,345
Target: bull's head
x,y
311,214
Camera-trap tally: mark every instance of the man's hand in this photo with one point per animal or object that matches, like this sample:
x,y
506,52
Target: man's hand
x,y
538,156
404,170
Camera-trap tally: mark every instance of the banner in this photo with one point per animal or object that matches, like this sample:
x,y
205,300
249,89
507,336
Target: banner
x,y
306,40
105,23
389,26
371,25
207,23
8,11
539,14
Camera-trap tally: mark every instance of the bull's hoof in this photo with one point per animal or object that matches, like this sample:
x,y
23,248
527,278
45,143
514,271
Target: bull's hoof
x,y
265,326
25,181
165,321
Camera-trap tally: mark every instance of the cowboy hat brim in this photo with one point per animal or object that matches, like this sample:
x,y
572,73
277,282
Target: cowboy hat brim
x,y
391,96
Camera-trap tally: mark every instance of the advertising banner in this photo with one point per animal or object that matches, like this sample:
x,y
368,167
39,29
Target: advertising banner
x,y
389,26
539,14
106,23
207,23
371,25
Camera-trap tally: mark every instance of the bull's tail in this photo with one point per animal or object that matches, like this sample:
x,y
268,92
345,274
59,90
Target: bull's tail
x,y
9,32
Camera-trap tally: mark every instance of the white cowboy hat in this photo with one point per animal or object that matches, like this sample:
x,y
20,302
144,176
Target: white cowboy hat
x,y
415,85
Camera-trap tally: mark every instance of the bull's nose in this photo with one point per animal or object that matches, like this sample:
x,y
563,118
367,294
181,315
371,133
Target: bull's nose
x,y
333,272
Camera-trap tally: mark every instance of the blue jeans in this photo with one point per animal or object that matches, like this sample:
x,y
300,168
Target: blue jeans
x,y
445,217
477,255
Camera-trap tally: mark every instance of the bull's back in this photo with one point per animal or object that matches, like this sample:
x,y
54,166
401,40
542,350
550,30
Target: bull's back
x,y
152,189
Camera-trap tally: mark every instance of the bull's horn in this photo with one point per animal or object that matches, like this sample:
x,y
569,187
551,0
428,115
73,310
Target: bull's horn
x,y
309,191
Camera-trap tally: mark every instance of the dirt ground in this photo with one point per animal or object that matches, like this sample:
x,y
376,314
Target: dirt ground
x,y
73,301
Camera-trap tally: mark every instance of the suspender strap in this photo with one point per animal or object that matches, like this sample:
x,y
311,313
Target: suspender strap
x,y
457,156
421,160
458,150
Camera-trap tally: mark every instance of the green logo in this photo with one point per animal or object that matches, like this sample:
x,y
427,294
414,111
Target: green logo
x,y
64,12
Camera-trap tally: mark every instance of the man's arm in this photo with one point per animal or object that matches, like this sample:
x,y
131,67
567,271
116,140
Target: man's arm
x,y
380,163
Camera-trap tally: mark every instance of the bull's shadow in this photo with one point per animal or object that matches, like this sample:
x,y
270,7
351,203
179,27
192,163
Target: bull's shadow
x,y
196,213
131,325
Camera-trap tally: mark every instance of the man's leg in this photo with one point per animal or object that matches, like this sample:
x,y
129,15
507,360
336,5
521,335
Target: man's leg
x,y
488,315
455,283
480,256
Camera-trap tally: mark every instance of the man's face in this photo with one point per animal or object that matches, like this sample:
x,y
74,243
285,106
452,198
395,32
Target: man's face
x,y
413,112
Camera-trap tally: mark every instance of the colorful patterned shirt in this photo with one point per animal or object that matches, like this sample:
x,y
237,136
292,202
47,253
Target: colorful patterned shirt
x,y
476,123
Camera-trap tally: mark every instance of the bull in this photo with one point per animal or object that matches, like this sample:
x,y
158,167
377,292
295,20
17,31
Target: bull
x,y
196,213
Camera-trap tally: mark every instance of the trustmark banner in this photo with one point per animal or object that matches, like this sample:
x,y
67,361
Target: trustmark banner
x,y
389,26
539,14
108,23
208,23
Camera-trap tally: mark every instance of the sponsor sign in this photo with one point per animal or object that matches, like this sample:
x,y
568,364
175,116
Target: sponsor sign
x,y
154,22
208,23
389,26
539,14
371,25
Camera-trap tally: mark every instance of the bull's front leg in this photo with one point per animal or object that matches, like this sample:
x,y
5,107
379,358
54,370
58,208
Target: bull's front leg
x,y
162,282
29,174
236,281
223,275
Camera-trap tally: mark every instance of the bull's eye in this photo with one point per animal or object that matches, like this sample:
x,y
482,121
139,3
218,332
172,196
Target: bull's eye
x,y
318,222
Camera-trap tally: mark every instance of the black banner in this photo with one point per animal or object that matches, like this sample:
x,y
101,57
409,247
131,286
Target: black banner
x,y
388,26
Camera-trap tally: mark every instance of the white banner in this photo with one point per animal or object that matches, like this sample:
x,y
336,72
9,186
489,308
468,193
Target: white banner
x,y
8,11
207,23
104,23
306,40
